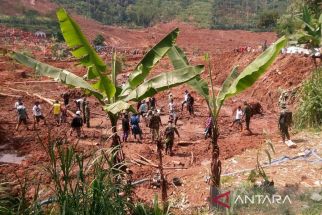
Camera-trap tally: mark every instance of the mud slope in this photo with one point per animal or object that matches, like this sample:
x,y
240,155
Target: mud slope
x,y
191,149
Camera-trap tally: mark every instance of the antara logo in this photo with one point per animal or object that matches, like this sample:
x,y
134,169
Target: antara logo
x,y
224,199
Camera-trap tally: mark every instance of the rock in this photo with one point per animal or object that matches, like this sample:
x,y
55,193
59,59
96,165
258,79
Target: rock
x,y
316,197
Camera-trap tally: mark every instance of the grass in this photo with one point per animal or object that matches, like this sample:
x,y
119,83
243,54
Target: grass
x,y
309,111
81,183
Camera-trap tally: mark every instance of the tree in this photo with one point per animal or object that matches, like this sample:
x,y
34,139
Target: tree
x,y
268,19
103,82
234,84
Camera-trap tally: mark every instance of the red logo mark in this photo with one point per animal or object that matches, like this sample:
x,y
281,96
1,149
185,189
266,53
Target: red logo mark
x,y
225,203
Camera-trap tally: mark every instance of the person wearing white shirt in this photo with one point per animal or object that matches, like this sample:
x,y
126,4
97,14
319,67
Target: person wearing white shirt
x,y
185,99
238,118
36,110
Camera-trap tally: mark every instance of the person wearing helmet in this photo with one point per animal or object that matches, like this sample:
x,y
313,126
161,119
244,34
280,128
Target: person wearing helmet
x,y
77,124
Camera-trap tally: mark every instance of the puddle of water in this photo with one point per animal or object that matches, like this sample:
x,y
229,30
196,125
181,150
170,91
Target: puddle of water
x,y
11,158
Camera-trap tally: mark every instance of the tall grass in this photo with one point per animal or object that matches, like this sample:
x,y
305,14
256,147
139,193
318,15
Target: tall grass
x,y
81,183
309,111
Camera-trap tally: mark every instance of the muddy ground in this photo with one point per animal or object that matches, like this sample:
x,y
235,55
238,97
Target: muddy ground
x,y
191,149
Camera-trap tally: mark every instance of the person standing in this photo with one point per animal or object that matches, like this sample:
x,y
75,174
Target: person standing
x,y
36,110
185,99
284,122
56,109
152,103
66,98
63,118
247,114
77,124
238,118
87,114
135,126
125,127
155,123
169,135
190,102
83,109
22,115
172,113
143,108
18,102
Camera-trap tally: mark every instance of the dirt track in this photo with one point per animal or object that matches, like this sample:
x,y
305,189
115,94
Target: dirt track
x,y
286,73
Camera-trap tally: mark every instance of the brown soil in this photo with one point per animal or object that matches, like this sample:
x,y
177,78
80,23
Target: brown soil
x,y
286,73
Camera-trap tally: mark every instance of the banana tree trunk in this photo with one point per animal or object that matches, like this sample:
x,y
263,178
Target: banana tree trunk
x,y
215,167
163,180
116,142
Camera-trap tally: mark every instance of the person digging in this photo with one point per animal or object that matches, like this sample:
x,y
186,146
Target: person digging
x,y
169,135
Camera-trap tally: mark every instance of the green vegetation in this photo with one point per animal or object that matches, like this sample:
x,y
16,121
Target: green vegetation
x,y
31,21
309,110
224,14
82,183
249,15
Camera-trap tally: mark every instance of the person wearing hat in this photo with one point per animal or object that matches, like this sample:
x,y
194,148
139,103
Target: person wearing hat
x,y
284,122
169,135
77,124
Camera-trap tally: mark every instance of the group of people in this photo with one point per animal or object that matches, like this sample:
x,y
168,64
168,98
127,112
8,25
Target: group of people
x,y
150,116
59,112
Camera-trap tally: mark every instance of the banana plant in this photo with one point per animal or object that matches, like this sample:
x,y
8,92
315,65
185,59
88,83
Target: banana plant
x,y
235,83
101,81
311,33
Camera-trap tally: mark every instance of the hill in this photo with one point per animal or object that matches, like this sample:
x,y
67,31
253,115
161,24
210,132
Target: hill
x,y
233,14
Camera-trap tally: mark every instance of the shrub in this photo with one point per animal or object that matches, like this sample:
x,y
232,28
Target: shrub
x,y
309,111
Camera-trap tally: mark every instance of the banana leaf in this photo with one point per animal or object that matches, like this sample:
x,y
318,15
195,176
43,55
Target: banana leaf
x,y
144,67
57,74
179,60
252,72
116,68
163,82
81,48
225,86
105,86
118,107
